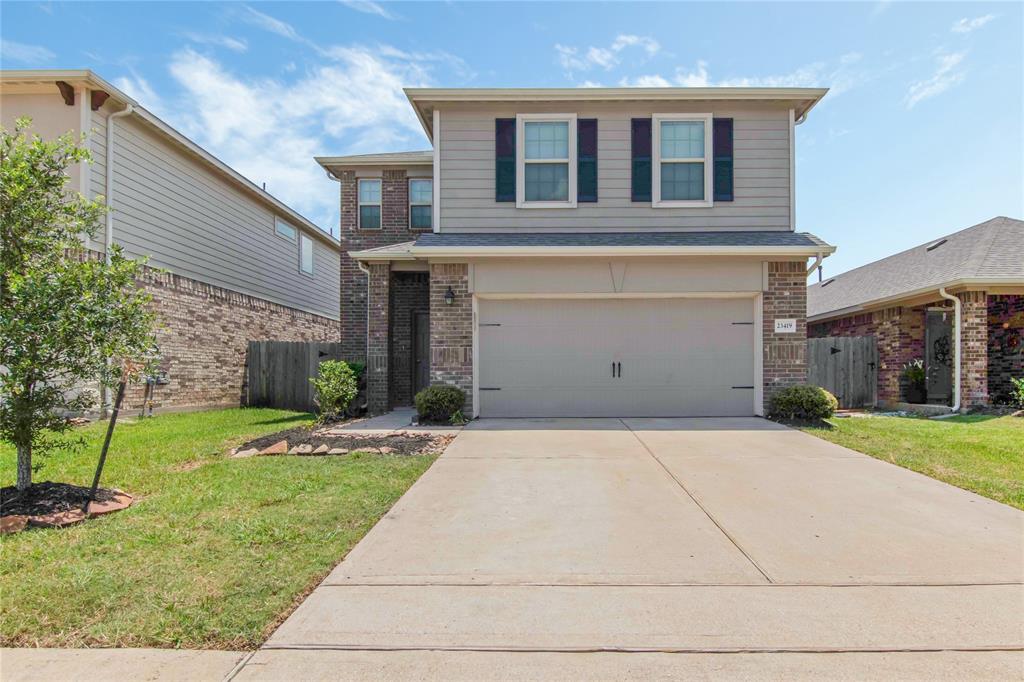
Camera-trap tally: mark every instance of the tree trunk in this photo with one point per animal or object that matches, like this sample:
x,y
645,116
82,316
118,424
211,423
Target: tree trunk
x,y
24,467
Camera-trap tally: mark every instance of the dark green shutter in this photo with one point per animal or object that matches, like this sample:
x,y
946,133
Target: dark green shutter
x,y
723,159
505,159
586,158
640,148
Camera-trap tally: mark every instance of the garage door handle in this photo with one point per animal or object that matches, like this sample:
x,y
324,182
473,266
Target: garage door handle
x,y
613,369
620,369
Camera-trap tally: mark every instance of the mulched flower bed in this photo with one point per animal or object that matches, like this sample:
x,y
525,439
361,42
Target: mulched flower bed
x,y
50,504
319,441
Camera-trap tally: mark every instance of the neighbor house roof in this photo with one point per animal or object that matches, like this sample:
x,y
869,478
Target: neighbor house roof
x,y
442,244
33,80
424,100
990,253
417,158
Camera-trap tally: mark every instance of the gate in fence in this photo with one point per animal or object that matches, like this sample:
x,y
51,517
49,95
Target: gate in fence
x,y
847,367
278,372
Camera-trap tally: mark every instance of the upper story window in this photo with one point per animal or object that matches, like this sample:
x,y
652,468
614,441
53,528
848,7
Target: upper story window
x,y
284,230
546,161
421,204
682,172
305,254
369,203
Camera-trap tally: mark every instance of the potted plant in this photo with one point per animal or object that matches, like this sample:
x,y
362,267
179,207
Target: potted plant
x,y
913,374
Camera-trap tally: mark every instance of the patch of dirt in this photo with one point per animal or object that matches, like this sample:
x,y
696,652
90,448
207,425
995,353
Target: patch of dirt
x,y
317,441
49,498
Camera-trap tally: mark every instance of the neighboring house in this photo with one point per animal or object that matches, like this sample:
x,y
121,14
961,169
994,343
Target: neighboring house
x,y
910,303
238,265
582,252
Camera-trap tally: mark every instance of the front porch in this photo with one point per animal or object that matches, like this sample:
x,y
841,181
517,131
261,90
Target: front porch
x,y
990,335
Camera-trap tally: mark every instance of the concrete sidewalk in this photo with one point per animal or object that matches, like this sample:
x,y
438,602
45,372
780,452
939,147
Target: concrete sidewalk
x,y
105,665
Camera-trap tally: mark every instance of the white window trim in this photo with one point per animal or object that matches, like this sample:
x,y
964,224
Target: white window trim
x,y
709,177
521,120
360,203
312,256
295,230
420,203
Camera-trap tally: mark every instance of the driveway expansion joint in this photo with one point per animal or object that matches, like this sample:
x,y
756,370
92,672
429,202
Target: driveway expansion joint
x,y
697,502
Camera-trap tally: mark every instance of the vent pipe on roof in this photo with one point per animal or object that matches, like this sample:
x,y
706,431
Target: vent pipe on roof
x,y
956,346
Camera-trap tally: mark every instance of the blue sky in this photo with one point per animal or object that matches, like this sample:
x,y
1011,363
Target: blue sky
x,y
921,134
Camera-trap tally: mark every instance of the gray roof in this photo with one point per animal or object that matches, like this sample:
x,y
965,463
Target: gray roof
x,y
499,239
990,251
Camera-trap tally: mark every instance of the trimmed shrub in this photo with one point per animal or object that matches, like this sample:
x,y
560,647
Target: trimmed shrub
x,y
803,403
439,403
336,386
1017,392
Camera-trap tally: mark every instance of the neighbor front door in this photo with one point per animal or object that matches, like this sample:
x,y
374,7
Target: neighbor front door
x,y
938,356
420,351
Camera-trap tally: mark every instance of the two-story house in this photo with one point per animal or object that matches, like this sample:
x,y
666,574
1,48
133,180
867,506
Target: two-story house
x,y
231,263
582,252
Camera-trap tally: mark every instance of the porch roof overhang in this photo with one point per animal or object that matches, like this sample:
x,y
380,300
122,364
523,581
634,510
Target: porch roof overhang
x,y
996,285
590,244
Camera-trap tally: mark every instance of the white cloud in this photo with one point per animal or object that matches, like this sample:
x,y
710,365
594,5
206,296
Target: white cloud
x,y
947,75
21,52
839,77
966,25
573,59
369,7
138,88
234,44
270,128
269,23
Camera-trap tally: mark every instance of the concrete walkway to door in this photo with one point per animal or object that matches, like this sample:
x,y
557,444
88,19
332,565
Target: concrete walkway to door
x,y
640,548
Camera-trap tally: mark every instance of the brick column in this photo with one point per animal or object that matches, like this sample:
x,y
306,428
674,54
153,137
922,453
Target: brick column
x,y
353,280
973,348
451,329
890,355
378,339
785,355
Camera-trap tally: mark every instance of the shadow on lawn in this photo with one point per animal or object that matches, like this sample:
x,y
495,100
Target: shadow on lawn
x,y
302,417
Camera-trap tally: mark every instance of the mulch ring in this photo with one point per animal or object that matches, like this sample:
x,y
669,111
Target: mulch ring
x,y
54,505
313,441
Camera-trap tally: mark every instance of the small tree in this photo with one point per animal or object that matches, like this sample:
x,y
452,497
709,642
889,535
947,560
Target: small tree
x,y
336,386
65,313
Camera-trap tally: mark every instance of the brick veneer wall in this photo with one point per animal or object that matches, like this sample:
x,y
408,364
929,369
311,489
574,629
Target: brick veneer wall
x,y
785,355
451,329
379,350
203,335
394,230
1005,344
974,348
410,293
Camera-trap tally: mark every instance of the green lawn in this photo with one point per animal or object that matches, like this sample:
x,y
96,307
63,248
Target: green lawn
x,y
980,453
214,553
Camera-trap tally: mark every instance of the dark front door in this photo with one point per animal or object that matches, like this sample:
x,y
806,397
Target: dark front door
x,y
420,351
938,356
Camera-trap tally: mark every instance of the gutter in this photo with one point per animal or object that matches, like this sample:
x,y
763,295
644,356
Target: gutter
x,y
957,355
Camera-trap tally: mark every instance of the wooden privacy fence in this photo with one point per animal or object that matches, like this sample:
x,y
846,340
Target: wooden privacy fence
x,y
278,372
846,366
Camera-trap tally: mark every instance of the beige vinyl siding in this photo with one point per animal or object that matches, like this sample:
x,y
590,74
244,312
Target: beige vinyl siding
x,y
51,118
761,169
194,222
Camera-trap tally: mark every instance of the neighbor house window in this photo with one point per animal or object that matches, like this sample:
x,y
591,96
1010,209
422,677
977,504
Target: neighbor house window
x,y
546,161
682,160
421,204
369,204
306,254
283,229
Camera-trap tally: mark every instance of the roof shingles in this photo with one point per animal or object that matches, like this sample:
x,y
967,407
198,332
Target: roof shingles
x,y
992,250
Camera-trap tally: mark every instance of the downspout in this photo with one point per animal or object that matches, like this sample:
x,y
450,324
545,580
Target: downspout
x,y
817,262
957,331
108,237
108,234
362,266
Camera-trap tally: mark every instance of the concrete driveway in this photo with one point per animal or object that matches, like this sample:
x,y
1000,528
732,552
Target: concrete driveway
x,y
661,548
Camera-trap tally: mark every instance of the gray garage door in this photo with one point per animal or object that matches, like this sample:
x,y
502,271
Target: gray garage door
x,y
616,357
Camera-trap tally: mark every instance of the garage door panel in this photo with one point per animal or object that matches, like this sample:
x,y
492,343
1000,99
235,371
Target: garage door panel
x,y
678,357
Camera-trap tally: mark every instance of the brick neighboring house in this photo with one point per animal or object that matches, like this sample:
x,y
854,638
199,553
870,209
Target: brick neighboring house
x,y
231,262
581,252
897,300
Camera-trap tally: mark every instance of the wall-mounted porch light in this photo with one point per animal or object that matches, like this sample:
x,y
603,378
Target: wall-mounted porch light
x,y
449,296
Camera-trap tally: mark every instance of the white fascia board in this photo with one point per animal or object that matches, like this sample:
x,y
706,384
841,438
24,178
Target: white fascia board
x,y
584,251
